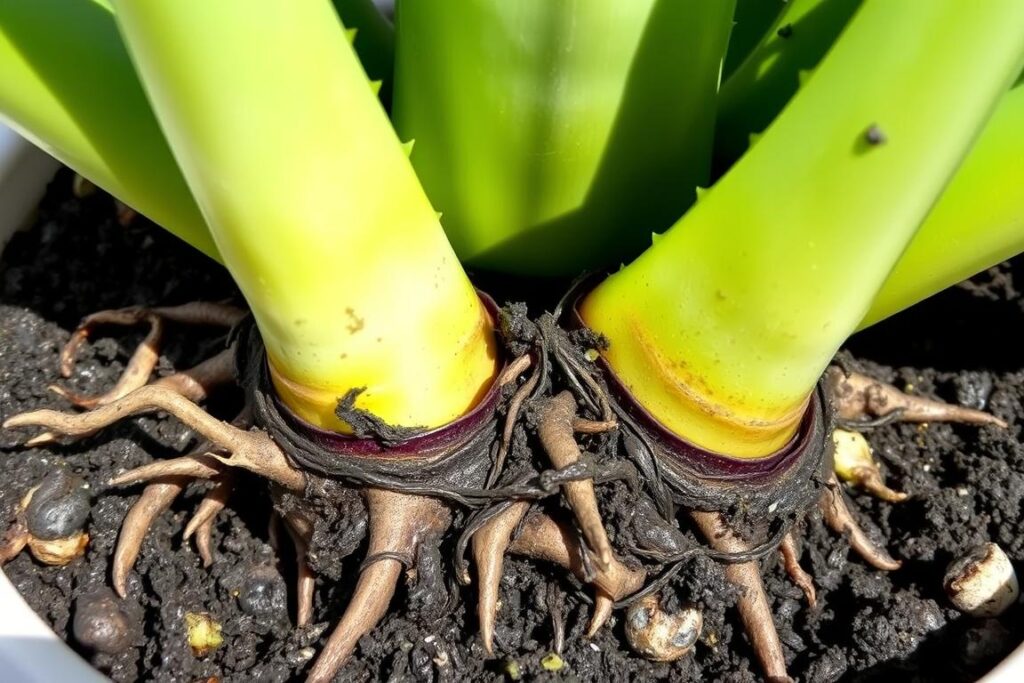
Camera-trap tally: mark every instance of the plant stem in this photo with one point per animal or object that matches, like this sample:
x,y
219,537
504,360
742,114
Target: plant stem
x,y
315,208
722,328
554,136
69,87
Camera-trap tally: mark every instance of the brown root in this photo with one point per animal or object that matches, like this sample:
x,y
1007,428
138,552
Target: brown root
x,y
791,561
197,382
155,498
251,450
515,404
198,465
489,545
555,429
205,515
135,375
399,523
543,538
752,605
838,517
857,397
14,541
583,426
301,531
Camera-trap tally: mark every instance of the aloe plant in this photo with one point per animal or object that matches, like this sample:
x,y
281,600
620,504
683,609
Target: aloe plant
x,y
546,139
725,324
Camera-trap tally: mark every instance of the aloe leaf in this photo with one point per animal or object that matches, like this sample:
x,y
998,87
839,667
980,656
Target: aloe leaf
x,y
976,223
753,18
69,87
314,206
771,74
555,136
374,41
722,328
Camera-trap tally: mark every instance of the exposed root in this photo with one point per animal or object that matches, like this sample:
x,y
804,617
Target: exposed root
x,y
838,517
489,545
301,531
135,375
155,498
791,561
583,426
853,463
752,605
515,369
543,538
251,450
515,404
198,382
198,465
205,515
194,313
858,397
555,429
14,541
195,384
399,523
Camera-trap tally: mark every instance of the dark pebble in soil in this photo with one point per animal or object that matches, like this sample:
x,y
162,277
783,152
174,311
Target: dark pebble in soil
x,y
59,507
983,643
973,389
100,623
263,594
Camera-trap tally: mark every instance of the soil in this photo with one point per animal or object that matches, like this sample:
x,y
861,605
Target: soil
x,y
967,486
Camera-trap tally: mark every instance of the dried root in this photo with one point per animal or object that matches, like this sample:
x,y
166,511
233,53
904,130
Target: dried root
x,y
859,398
399,524
755,612
543,538
791,561
300,529
194,383
555,428
838,517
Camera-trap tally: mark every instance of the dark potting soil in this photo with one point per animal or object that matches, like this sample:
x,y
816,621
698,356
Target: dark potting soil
x,y
967,486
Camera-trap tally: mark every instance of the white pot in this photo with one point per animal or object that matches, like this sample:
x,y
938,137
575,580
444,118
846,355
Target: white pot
x,y
29,651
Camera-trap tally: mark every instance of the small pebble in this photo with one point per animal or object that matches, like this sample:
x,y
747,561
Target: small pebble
x,y
203,633
982,583
660,636
100,623
512,670
985,642
973,389
263,594
58,507
552,662
299,657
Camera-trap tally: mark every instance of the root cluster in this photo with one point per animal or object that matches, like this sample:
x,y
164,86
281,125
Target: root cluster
x,y
522,475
